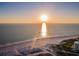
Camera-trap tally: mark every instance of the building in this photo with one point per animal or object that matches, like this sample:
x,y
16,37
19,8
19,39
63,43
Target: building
x,y
76,45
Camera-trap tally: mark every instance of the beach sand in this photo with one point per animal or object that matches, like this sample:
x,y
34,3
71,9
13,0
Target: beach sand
x,y
34,43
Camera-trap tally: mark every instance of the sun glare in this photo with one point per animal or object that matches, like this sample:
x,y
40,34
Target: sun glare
x,y
43,30
44,17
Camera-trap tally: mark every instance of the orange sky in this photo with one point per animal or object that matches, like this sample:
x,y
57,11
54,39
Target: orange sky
x,y
66,20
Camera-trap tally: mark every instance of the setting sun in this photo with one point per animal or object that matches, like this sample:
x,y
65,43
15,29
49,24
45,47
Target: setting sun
x,y
44,17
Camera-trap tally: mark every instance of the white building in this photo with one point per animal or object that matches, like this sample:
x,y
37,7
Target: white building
x,y
76,45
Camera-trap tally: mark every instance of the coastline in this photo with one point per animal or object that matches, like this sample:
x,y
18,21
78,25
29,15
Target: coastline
x,y
17,48
48,40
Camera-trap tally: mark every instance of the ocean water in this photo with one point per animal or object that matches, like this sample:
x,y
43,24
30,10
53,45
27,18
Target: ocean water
x,y
18,32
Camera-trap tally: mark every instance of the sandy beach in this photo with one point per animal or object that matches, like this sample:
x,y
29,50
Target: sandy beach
x,y
36,42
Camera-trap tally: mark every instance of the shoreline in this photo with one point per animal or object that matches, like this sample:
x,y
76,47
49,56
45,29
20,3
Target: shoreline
x,y
49,40
22,47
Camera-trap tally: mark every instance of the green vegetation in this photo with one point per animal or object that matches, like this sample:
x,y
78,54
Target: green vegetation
x,y
67,44
65,48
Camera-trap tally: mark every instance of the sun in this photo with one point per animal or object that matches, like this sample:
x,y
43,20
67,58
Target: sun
x,y
44,17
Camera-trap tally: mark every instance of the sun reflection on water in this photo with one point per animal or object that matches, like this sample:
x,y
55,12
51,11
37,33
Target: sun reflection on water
x,y
43,30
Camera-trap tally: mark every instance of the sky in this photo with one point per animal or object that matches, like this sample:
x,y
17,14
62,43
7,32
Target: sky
x,y
30,12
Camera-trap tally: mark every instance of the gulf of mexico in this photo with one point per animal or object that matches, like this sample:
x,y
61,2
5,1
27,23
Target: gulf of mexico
x,y
18,32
